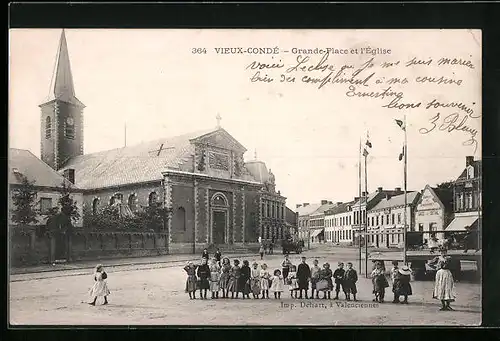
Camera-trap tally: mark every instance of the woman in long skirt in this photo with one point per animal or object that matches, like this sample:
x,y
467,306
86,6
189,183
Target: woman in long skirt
x,y
191,280
224,277
100,287
255,280
215,278
265,277
444,288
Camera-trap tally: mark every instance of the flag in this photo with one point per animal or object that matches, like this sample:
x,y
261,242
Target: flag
x,y
365,152
400,124
402,154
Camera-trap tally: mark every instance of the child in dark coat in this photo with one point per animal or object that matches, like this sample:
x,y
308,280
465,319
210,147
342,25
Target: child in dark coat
x,y
379,282
339,280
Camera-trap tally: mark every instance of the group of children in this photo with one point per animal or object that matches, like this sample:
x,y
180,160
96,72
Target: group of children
x,y
258,280
400,278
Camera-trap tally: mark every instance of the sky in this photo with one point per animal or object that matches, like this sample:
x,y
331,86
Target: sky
x,y
152,81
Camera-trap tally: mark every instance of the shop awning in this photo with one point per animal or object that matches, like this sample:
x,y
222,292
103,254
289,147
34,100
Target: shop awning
x,y
460,223
315,233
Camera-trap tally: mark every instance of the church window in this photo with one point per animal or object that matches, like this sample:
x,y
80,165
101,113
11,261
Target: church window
x,y
470,172
95,205
69,129
132,202
219,200
181,218
48,127
153,197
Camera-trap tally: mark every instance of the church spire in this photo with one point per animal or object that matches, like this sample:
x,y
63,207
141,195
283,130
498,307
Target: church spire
x,y
61,86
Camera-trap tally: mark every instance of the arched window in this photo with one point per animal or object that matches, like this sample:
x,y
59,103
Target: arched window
x,y
132,202
219,199
48,127
181,218
153,198
117,198
95,205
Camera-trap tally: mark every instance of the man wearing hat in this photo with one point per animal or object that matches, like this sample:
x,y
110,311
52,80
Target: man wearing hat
x,y
303,276
402,286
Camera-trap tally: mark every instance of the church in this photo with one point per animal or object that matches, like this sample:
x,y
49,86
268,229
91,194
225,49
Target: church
x,y
214,197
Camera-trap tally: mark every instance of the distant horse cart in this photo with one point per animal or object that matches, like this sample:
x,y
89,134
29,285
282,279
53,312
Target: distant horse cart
x,y
289,245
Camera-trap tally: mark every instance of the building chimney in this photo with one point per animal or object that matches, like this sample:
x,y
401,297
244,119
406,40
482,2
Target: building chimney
x,y
298,205
380,189
330,202
397,189
469,160
324,202
305,204
356,198
69,174
364,194
340,202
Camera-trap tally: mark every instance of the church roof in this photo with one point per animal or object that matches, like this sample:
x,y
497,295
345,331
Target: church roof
x,y
143,162
62,87
26,163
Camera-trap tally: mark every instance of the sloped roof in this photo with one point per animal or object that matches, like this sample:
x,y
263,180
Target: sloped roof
x,y
446,197
134,164
258,170
27,164
340,208
307,210
371,196
322,208
398,200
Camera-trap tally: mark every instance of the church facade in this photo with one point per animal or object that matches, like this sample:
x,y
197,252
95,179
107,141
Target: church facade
x,y
213,196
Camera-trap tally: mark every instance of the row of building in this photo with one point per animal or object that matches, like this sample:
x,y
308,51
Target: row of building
x,y
453,206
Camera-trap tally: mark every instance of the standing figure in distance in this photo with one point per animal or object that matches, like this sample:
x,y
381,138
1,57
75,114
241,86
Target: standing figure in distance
x,y
350,279
191,280
224,277
203,274
215,278
303,276
444,287
314,278
100,287
339,280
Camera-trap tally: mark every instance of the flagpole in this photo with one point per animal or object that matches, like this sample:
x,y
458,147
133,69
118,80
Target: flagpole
x,y
359,213
405,189
366,215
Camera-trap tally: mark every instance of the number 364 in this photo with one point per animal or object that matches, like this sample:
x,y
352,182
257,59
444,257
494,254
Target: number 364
x,y
199,50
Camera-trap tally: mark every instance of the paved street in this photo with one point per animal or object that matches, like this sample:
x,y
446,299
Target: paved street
x,y
154,295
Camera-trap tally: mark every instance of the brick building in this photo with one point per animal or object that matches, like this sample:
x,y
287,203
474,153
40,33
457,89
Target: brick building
x,y
214,197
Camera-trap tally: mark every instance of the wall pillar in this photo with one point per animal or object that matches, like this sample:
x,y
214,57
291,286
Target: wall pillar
x,y
243,217
233,210
207,212
167,193
196,208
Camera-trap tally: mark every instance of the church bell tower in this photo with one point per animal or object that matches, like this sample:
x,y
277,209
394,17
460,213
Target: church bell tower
x,y
61,114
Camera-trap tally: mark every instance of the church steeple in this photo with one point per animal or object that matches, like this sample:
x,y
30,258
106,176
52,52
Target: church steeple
x,y
61,114
61,85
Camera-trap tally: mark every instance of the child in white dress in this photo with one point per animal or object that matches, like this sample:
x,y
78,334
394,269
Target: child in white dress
x,y
100,287
278,284
264,281
293,284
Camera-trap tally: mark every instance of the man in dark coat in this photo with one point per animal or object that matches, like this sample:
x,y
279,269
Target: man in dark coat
x,y
339,279
350,279
205,254
303,276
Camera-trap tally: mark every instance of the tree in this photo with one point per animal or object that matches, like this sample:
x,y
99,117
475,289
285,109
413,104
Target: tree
x,y
67,204
24,200
445,185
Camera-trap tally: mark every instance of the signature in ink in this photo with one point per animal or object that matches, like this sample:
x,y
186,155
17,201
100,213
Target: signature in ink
x,y
452,122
